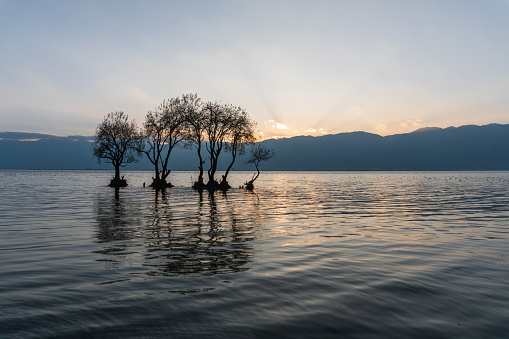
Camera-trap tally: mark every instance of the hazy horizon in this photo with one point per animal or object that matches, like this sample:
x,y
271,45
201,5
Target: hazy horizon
x,y
468,147
422,128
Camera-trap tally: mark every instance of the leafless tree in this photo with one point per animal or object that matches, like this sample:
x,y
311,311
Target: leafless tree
x,y
118,141
164,128
259,153
241,134
196,124
219,127
218,120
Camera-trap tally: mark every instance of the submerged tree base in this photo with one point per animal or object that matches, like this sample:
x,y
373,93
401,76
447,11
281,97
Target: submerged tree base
x,y
117,182
212,186
160,184
224,186
199,185
249,185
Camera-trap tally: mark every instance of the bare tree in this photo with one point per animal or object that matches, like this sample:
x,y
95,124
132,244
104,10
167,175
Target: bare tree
x,y
241,134
259,153
218,120
219,127
118,141
164,128
196,124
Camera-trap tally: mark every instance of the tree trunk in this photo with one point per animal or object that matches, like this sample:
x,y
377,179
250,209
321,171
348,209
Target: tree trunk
x,y
211,180
117,172
215,151
199,185
164,170
156,177
117,181
212,172
234,155
249,184
224,182
200,166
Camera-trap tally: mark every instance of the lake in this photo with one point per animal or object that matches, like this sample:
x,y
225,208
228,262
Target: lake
x,y
306,255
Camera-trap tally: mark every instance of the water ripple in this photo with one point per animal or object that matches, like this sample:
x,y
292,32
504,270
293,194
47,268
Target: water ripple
x,y
326,254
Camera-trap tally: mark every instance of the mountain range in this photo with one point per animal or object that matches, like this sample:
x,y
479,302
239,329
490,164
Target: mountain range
x,y
468,147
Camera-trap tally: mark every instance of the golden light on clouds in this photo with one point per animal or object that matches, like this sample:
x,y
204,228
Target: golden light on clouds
x,y
277,130
276,124
413,123
381,129
398,127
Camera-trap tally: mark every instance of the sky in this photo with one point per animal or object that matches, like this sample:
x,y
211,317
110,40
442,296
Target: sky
x,y
298,67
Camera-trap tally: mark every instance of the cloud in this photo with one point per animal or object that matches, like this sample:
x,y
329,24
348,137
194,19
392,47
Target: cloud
x,y
276,124
398,127
413,123
381,128
314,130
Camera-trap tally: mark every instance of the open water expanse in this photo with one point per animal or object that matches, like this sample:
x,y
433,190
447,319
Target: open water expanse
x,y
306,255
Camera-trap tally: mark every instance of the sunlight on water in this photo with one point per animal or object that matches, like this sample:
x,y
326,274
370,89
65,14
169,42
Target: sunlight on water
x,y
307,254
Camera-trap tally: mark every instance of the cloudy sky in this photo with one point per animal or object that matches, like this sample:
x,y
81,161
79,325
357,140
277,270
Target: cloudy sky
x,y
299,67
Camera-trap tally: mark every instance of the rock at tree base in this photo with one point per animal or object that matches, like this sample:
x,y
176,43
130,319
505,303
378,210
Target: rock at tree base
x,y
118,182
160,184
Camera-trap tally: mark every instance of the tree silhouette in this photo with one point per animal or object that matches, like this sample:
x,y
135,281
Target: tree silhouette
x,y
196,124
219,127
241,134
164,128
259,153
218,120
118,142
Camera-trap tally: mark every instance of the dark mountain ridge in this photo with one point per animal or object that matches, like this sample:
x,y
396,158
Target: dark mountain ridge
x,y
468,147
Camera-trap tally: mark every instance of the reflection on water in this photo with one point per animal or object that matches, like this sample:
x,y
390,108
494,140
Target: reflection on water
x,y
116,220
180,232
329,254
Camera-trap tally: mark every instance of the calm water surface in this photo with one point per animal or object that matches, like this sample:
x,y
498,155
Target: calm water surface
x,y
328,254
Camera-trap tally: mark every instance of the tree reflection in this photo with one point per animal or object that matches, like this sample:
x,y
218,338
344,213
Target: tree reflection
x,y
174,232
115,220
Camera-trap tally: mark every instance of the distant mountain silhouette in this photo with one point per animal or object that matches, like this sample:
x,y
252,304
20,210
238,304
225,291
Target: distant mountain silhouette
x,y
455,148
427,129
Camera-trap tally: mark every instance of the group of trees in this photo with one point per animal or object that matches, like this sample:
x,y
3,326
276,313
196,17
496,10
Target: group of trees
x,y
183,121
